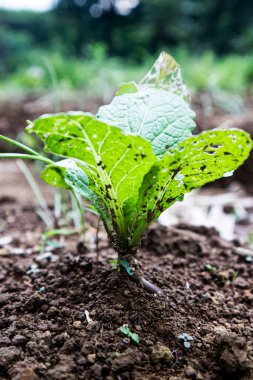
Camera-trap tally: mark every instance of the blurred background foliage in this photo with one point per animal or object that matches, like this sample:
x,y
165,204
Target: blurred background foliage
x,y
93,45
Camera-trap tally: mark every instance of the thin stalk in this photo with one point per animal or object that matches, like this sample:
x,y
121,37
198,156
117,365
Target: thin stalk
x,y
26,157
57,204
20,145
97,238
81,212
45,218
35,188
75,214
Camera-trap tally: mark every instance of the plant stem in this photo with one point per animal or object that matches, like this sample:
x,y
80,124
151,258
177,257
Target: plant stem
x,y
36,190
81,212
26,157
136,276
20,145
97,238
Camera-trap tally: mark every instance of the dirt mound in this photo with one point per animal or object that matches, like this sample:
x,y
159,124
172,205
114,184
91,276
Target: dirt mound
x,y
62,319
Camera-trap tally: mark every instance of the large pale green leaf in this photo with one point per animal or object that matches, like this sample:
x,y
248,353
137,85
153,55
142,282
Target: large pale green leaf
x,y
160,117
165,74
195,162
114,163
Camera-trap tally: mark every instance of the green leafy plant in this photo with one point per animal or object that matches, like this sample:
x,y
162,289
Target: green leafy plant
x,y
137,156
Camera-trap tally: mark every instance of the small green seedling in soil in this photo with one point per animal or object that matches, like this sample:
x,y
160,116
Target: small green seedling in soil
x,y
125,330
210,268
136,157
187,339
114,264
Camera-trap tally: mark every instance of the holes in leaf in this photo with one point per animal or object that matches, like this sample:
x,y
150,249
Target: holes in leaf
x,y
211,149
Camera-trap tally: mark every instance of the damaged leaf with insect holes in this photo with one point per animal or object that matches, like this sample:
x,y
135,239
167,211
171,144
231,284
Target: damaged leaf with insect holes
x,y
156,108
136,157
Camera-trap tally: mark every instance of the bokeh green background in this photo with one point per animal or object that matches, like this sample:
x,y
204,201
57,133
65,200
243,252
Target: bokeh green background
x,y
92,45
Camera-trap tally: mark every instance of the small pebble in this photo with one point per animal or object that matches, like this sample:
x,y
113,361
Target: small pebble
x,y
149,342
19,340
77,323
91,358
190,372
187,345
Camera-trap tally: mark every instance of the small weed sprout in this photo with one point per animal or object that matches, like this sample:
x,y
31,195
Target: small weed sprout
x,y
210,268
125,330
187,339
136,157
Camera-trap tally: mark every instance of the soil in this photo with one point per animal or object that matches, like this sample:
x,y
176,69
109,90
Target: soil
x,y
46,332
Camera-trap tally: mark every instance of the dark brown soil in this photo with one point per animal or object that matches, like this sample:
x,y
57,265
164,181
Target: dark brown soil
x,y
14,114
45,334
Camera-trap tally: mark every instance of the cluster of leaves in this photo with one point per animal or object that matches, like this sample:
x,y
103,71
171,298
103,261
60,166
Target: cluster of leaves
x,y
137,156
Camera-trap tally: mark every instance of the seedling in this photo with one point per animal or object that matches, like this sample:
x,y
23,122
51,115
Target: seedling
x,y
136,157
187,339
114,264
125,330
210,268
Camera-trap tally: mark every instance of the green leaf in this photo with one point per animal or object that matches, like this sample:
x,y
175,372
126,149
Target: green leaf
x,y
114,163
158,116
128,87
79,181
54,174
195,162
68,175
135,337
124,329
57,232
165,74
125,264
